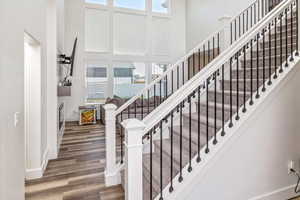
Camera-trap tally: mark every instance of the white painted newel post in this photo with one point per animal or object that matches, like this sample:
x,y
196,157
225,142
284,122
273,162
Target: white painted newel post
x,y
133,159
112,174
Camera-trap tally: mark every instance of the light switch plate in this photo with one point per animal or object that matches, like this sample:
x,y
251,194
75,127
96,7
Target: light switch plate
x,y
16,118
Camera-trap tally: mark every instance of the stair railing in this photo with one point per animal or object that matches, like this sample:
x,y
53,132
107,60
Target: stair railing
x,y
245,20
224,89
176,75
147,100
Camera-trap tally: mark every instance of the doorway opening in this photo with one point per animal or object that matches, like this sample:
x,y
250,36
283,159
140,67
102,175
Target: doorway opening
x,y
33,107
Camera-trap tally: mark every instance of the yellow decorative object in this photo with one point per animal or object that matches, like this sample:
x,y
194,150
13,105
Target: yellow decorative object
x,y
87,115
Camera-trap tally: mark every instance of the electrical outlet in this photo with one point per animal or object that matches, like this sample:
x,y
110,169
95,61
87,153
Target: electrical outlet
x,y
291,166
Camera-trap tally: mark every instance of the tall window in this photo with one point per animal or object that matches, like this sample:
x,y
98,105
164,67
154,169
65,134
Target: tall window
x,y
129,79
103,2
132,4
160,6
96,83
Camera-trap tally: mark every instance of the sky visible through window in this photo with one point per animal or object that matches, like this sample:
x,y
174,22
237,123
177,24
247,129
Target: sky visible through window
x,y
157,6
135,4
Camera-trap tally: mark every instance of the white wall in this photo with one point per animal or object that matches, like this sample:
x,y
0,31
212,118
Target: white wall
x,y
202,17
35,25
255,162
17,16
55,43
11,97
74,27
60,18
12,138
120,36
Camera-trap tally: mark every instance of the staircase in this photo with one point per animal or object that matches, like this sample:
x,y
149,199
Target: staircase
x,y
219,106
181,116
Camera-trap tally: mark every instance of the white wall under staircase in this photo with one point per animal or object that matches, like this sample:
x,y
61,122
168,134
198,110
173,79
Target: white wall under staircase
x,y
256,157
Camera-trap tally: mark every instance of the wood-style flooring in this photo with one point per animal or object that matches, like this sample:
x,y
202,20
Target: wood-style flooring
x,y
78,172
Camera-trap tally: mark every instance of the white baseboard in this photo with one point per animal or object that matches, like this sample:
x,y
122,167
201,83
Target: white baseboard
x,y
280,194
52,154
38,172
34,173
113,177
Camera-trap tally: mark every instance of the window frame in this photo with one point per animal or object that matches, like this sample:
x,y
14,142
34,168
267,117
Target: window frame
x,y
117,65
145,9
158,63
110,4
162,14
97,4
106,92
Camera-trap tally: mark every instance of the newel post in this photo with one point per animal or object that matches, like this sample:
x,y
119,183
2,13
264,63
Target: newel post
x,y
226,35
112,174
133,159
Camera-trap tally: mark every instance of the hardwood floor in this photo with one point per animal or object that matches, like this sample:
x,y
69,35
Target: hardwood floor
x,y
78,172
